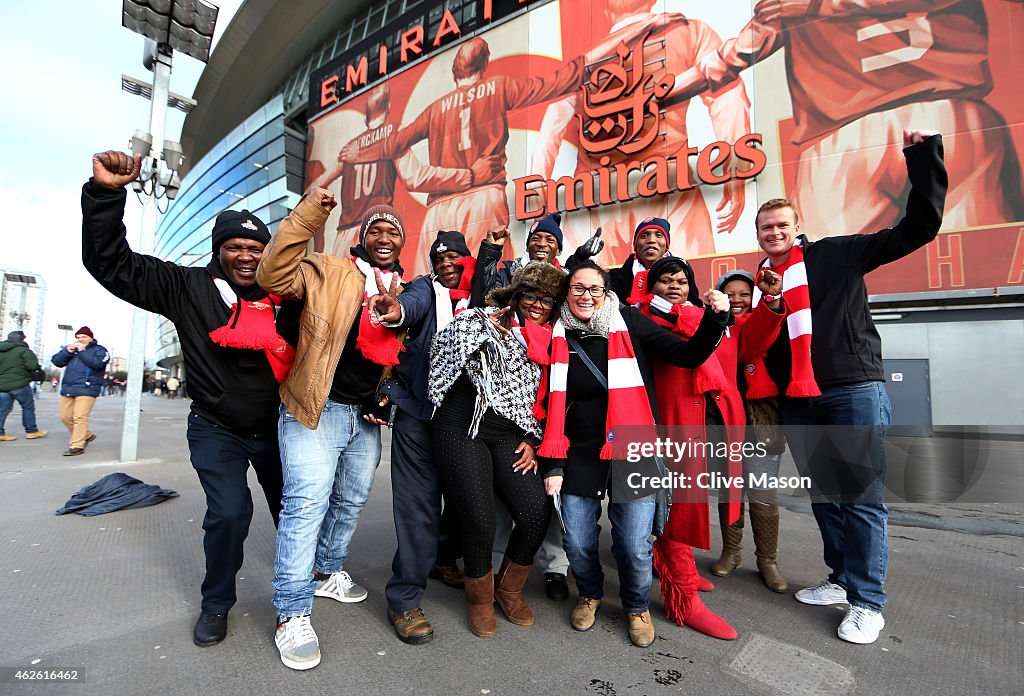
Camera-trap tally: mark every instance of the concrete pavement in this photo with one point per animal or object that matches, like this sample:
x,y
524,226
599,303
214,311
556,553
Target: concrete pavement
x,y
114,597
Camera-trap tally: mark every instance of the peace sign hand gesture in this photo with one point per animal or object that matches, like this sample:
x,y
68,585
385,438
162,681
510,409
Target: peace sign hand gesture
x,y
384,306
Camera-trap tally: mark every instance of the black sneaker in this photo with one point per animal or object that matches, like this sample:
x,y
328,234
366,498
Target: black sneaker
x,y
556,587
210,629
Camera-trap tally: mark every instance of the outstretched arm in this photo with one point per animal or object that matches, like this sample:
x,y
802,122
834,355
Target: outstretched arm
x,y
280,270
925,203
144,281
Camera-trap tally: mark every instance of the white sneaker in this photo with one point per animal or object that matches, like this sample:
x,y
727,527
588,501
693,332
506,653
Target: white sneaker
x,y
861,625
297,642
823,593
341,588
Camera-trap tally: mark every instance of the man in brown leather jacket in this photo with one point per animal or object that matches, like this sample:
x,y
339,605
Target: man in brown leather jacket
x,y
329,432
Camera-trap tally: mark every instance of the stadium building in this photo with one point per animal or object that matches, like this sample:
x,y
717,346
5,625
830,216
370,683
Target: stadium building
x,y
471,113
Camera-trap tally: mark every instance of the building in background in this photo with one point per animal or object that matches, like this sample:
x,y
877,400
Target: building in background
x,y
289,85
22,304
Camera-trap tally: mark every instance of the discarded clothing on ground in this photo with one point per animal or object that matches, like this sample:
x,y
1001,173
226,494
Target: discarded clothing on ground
x,y
116,491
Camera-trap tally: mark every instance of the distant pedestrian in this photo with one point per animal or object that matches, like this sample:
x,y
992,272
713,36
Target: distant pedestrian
x,y
85,361
17,363
172,387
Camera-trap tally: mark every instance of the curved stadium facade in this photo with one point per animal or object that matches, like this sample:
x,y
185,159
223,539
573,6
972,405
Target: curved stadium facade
x,y
290,83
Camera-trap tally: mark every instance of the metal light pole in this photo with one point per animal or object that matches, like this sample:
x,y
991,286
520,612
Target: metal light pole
x,y
186,26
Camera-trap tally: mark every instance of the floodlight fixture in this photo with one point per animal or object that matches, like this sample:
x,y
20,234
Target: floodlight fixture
x,y
184,25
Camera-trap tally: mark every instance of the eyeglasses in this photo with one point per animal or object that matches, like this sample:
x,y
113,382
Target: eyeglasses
x,y
546,301
579,290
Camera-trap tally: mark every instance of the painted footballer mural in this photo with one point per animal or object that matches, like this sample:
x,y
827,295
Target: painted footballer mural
x,y
492,112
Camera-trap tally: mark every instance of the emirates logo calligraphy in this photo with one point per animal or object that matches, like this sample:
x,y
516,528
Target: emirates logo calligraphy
x,y
261,305
621,109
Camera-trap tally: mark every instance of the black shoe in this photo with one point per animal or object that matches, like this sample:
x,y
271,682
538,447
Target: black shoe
x,y
448,575
556,587
210,629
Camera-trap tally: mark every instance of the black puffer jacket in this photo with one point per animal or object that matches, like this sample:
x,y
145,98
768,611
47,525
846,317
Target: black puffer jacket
x,y
231,387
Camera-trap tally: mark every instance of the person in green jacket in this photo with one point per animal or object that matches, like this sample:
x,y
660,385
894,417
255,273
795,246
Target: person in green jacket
x,y
17,363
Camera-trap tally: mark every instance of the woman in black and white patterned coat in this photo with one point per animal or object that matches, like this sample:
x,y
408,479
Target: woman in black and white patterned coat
x,y
486,371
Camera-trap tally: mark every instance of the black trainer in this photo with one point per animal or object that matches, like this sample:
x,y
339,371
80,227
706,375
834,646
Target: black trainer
x,y
210,629
556,587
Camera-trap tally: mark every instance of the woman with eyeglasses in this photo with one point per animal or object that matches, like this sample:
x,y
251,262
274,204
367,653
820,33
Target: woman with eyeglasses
x,y
487,369
600,404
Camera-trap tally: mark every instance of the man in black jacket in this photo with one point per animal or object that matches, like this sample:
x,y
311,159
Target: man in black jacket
x,y
827,361
234,392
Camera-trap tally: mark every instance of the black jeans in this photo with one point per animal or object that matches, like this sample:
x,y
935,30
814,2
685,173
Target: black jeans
x,y
221,458
416,492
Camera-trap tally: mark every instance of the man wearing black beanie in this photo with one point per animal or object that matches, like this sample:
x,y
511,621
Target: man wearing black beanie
x,y
233,359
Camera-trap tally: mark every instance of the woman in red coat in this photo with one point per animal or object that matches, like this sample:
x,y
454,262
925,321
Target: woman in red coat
x,y
700,405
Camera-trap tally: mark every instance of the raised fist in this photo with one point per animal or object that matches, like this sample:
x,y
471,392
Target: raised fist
x,y
769,282
323,198
913,137
115,169
717,301
498,235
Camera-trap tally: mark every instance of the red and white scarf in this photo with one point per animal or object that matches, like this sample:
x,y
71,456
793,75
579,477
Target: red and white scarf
x,y
627,395
377,343
252,327
798,321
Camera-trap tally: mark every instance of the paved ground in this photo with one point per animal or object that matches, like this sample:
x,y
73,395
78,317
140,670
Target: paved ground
x,y
114,597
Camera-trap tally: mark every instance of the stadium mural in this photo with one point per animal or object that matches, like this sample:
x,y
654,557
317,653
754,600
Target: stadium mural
x,y
489,112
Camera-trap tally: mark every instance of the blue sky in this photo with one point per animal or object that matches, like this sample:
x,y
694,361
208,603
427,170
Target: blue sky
x,y
63,102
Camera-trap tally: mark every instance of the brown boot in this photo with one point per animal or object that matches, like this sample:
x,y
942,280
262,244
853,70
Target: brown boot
x,y
764,520
509,592
732,542
480,595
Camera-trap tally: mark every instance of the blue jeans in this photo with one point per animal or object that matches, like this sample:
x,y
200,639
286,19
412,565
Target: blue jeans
x,y
631,546
328,473
847,469
23,395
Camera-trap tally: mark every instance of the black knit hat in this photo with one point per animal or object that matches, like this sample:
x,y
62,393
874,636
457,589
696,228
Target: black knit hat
x,y
550,224
233,223
537,275
657,223
16,336
448,240
672,265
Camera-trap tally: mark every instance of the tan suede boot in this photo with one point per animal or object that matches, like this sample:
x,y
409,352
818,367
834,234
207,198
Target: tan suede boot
x,y
732,542
480,595
509,592
764,521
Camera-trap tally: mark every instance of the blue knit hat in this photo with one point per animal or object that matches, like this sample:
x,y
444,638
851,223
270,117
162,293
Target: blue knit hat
x,y
654,223
550,224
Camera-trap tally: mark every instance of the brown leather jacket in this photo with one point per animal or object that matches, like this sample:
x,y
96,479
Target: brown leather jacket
x,y
333,289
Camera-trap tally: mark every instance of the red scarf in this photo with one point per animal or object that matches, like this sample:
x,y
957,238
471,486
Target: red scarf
x,y
462,292
536,338
252,327
759,382
627,395
798,321
707,377
377,343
